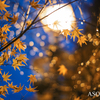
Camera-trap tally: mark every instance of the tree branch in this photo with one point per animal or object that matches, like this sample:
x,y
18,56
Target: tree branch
x,y
33,22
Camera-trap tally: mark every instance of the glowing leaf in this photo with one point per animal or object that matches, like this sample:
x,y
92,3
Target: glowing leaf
x,y
3,5
6,77
30,89
66,33
56,24
62,70
76,32
82,40
17,89
32,78
5,28
35,5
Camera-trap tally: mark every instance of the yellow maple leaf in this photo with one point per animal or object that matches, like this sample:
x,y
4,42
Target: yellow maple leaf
x,y
32,78
17,89
13,52
56,24
6,77
35,5
3,5
82,40
12,86
5,56
6,16
14,19
30,89
22,58
5,28
16,64
0,71
75,33
19,45
3,90
66,32
62,70
3,37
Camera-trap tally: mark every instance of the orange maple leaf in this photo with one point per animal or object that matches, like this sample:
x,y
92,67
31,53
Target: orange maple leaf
x,y
35,5
62,70
6,77
5,28
17,89
3,5
14,19
82,40
30,89
32,78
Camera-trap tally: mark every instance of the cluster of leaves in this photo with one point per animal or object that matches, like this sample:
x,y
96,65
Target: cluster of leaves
x,y
11,52
75,33
4,89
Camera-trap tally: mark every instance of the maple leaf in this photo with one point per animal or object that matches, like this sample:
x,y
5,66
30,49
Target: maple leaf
x,y
32,78
62,70
6,16
5,28
3,5
22,58
13,52
3,37
5,55
35,5
30,89
66,33
76,32
56,24
17,89
16,64
82,40
19,45
1,61
12,86
6,77
0,71
3,90
14,19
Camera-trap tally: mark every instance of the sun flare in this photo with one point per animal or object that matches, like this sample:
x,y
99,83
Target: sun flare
x,y
63,18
